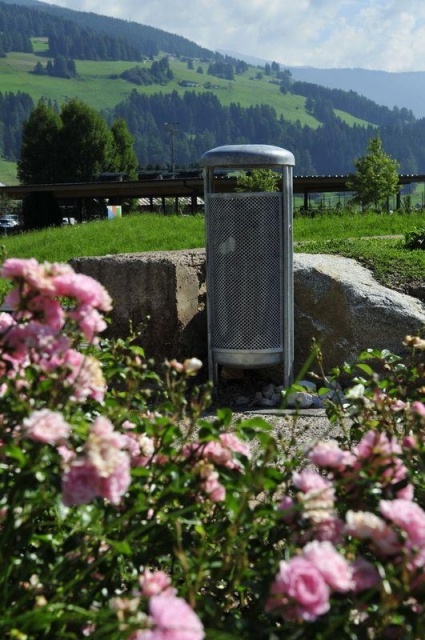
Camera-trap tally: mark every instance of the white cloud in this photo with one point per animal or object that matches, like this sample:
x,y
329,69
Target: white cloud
x,y
372,34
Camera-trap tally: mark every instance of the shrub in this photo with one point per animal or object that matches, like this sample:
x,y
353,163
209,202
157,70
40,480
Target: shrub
x,y
415,239
257,180
127,514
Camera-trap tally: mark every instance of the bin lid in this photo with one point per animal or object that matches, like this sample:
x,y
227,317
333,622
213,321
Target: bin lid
x,y
245,155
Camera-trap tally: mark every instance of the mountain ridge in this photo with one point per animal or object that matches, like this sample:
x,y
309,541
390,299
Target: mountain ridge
x,y
401,89
388,88
229,102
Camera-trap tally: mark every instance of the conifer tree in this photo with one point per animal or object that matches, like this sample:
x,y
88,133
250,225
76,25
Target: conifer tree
x,y
125,158
376,178
39,156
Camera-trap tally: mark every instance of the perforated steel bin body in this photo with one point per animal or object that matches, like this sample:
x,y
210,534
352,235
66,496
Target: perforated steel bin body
x,y
249,262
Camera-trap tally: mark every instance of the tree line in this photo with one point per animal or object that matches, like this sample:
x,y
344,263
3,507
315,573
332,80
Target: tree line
x,y
82,35
15,109
18,24
76,144
73,145
59,67
158,73
71,41
204,123
14,41
351,102
148,40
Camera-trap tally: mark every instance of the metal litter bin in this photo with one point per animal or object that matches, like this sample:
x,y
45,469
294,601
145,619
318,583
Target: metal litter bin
x,y
249,261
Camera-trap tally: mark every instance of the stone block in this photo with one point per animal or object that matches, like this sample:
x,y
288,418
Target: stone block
x,y
337,302
163,291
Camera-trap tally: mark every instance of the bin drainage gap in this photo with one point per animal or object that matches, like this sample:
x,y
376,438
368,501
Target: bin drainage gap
x,y
272,398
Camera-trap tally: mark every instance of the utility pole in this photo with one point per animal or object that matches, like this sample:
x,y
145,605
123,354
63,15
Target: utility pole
x,y
171,127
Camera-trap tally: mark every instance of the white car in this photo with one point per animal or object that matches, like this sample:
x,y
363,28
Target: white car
x,y
8,222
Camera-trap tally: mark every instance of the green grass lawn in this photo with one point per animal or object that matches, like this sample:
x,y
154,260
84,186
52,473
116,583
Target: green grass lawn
x,y
345,235
153,232
130,234
355,225
392,265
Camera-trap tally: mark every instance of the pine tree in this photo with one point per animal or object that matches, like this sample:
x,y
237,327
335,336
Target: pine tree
x,y
86,143
376,178
39,159
125,159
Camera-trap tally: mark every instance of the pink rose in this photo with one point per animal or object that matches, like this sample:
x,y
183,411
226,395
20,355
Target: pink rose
x,y
298,591
153,583
328,528
408,516
104,450
419,408
84,289
410,442
215,452
6,321
329,454
171,619
332,566
398,405
22,269
310,480
103,470
215,491
36,276
365,525
233,443
220,452
80,483
113,486
375,444
85,376
46,426
89,320
47,310
316,495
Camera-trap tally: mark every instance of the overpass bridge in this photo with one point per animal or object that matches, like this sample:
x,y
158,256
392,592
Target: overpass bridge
x,y
178,187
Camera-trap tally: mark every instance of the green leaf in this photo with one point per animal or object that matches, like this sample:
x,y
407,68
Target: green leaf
x,y
121,546
225,416
366,368
16,453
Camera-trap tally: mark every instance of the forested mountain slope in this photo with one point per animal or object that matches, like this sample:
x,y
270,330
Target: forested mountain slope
x,y
150,78
148,40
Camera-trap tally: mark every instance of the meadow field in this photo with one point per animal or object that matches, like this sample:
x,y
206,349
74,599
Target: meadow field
x,y
377,241
98,85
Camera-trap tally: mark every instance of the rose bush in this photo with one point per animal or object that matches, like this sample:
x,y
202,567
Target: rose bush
x,y
129,513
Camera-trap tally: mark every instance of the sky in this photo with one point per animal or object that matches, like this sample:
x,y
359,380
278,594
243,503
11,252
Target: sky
x,y
386,35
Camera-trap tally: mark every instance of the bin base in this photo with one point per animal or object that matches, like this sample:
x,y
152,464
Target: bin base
x,y
247,359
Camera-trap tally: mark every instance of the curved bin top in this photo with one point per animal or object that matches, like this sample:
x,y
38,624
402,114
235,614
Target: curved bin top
x,y
246,155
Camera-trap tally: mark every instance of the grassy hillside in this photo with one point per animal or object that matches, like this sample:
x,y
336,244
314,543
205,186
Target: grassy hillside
x,y
95,86
8,172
